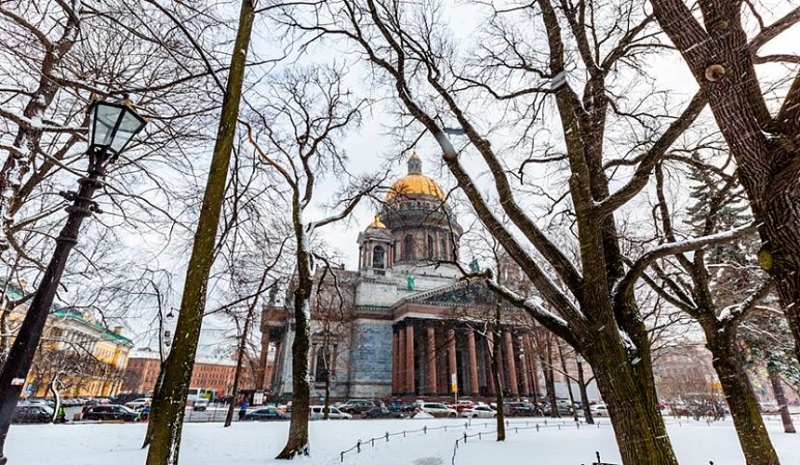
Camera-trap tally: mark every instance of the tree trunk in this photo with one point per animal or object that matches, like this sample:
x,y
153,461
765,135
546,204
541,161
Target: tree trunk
x,y
297,443
550,380
171,403
747,419
148,435
498,383
780,398
237,375
631,398
587,411
569,383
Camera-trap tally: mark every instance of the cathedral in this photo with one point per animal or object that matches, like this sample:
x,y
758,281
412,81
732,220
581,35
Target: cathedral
x,y
403,323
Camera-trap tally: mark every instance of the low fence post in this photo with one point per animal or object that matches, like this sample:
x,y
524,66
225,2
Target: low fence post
x,y
358,446
387,436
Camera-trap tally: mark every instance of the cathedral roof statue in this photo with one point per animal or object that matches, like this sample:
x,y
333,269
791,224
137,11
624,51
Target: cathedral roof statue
x,y
415,183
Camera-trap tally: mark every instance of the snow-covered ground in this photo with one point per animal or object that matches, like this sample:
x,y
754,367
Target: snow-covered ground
x,y
696,443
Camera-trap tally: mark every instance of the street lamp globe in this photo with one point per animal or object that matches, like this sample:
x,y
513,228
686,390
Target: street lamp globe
x,y
112,126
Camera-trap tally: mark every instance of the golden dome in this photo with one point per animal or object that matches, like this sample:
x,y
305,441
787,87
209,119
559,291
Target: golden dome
x,y
415,183
376,223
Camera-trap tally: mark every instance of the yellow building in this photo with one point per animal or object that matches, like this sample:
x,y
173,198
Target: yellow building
x,y
86,358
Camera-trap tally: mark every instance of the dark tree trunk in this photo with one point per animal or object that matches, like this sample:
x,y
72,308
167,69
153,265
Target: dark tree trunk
x,y
170,405
780,398
747,419
297,443
633,410
550,380
569,383
498,382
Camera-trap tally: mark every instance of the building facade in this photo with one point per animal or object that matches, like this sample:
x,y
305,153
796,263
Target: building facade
x,y
210,374
84,357
405,323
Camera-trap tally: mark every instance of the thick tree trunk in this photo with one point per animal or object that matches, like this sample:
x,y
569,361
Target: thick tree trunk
x,y
639,429
297,443
747,419
780,398
170,405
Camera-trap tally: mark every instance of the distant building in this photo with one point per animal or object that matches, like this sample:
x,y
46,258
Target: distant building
x,y
403,323
211,374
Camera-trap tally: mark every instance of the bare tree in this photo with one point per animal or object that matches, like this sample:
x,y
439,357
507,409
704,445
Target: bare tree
x,y
298,123
722,56
520,69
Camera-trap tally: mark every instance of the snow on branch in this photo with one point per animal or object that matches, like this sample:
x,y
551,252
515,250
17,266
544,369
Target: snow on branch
x,y
734,313
534,307
625,285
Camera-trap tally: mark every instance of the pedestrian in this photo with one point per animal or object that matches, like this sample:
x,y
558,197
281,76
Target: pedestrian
x,y
242,410
62,415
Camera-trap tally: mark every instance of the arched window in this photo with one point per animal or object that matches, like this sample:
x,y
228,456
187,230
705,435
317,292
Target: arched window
x,y
408,247
431,247
443,248
378,257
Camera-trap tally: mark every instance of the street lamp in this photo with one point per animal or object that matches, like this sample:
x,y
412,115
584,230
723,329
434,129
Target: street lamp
x,y
111,128
587,411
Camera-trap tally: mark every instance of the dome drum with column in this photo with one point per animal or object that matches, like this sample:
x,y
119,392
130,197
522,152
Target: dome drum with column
x,y
415,228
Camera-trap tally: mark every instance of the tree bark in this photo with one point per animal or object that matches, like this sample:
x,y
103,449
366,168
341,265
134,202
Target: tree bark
x,y
498,382
747,419
297,443
569,383
550,380
170,405
631,399
780,398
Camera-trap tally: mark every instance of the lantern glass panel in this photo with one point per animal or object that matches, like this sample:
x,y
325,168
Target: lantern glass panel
x,y
103,124
128,127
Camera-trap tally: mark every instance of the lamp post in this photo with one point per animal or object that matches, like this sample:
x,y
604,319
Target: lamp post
x,y
111,127
587,412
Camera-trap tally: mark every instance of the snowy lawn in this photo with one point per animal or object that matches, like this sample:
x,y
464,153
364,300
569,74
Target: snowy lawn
x,y
257,443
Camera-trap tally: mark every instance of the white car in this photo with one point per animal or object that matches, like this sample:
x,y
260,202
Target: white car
x,y
136,404
599,410
316,413
479,411
439,410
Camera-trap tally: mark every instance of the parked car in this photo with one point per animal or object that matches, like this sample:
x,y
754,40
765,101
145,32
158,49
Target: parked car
x,y
317,413
462,405
266,414
200,405
110,412
25,413
562,407
599,410
479,411
138,403
357,406
769,407
521,409
380,412
439,410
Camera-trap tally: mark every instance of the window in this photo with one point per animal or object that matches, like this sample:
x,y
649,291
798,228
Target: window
x,y
431,247
378,257
408,248
321,374
443,249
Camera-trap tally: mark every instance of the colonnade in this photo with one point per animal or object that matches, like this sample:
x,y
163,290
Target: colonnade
x,y
427,352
